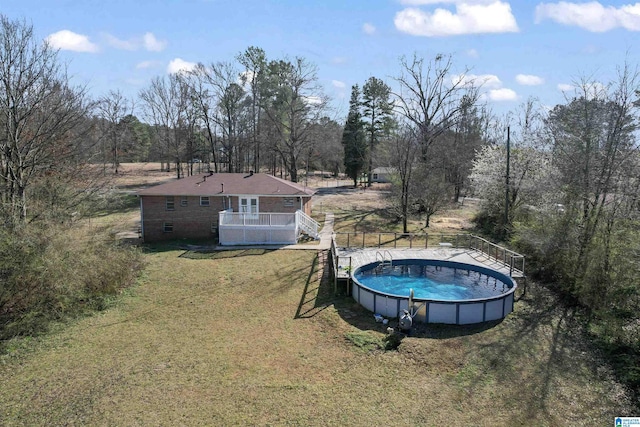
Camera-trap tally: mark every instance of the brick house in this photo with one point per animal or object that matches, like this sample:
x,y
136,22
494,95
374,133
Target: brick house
x,y
236,208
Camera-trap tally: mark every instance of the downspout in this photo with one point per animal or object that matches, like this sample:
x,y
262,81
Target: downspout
x,y
141,220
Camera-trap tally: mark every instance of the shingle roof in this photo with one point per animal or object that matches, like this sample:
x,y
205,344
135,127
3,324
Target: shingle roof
x,y
384,170
229,184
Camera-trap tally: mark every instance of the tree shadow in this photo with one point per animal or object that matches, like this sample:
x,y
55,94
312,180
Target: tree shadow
x,y
540,349
361,220
317,294
210,254
205,250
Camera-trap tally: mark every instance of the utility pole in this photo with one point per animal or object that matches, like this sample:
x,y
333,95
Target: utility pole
x,y
506,193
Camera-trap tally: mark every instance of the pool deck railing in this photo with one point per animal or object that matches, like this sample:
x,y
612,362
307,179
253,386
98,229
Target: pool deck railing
x,y
352,250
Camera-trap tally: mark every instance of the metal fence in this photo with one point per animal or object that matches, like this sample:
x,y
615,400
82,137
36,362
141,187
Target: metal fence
x,y
500,254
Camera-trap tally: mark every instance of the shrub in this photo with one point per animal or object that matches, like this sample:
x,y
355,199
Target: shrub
x,y
56,272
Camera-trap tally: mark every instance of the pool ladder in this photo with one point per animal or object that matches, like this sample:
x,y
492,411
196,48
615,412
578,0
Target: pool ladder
x,y
385,259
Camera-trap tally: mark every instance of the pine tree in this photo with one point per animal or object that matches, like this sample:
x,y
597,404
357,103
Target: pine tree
x,y
377,112
353,138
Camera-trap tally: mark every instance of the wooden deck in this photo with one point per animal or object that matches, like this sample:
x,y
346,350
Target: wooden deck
x,y
358,257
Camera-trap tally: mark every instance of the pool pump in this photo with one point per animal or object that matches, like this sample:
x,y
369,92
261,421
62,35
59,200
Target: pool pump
x,y
405,317
405,320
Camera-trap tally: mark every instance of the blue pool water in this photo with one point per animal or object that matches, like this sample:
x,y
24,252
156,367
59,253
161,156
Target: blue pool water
x,y
432,282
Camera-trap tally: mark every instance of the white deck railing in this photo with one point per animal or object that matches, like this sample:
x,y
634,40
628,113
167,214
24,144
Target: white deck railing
x,y
307,224
257,220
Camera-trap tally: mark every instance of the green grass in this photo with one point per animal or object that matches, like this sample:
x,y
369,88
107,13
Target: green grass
x,y
257,338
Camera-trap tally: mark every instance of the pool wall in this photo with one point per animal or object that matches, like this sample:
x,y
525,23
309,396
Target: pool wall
x,y
461,312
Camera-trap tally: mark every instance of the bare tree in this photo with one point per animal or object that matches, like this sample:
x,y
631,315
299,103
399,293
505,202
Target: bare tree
x,y
456,148
167,104
113,108
595,141
254,60
294,103
430,98
203,103
40,114
433,102
224,79
404,149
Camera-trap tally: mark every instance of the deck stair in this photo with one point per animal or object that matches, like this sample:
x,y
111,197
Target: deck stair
x,y
308,225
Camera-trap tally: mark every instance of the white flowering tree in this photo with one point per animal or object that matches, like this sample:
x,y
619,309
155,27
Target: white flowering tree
x,y
532,174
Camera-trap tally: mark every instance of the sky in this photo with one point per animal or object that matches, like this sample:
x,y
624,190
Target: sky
x,y
517,49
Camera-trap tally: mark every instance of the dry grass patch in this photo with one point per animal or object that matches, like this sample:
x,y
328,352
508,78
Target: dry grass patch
x,y
256,338
360,210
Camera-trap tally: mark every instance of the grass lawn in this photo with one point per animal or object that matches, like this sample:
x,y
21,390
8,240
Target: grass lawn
x,y
255,337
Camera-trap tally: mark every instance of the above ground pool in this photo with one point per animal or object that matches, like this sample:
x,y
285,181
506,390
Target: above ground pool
x,y
443,291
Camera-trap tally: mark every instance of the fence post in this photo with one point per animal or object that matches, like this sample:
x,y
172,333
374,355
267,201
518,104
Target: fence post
x,y
410,241
348,240
363,246
395,240
379,236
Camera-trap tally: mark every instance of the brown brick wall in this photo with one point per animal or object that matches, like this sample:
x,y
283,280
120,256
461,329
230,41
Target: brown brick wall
x,y
194,221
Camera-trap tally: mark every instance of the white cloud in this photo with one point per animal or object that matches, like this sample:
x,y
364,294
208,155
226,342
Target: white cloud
x,y
338,84
113,41
178,65
484,80
529,80
429,2
593,90
502,94
245,78
469,18
68,40
338,60
368,28
592,16
489,84
148,42
146,64
589,90
313,100
152,44
472,53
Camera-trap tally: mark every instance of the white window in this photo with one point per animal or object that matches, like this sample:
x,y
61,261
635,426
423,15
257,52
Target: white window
x,y
168,227
375,176
184,201
204,200
248,205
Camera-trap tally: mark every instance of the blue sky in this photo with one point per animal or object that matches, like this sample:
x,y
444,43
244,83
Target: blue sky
x,y
518,48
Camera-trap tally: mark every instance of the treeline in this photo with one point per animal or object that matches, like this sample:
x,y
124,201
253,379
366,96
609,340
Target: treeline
x,y
573,205
425,134
51,267
249,113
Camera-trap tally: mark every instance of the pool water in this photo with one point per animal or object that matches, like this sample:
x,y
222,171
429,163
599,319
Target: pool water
x,y
432,282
